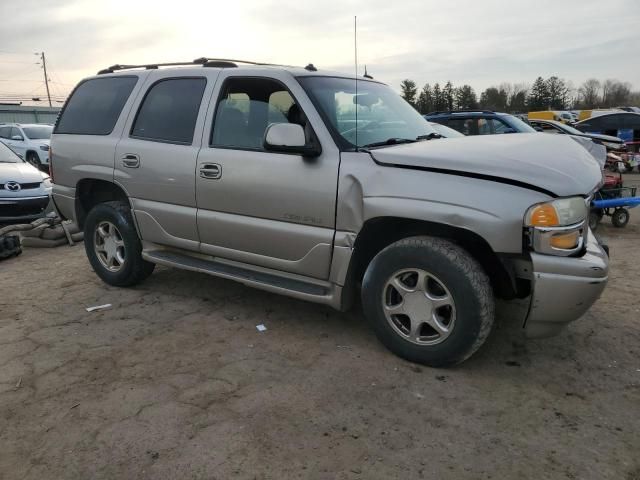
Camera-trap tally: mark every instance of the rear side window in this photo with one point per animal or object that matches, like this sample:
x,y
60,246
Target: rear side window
x,y
95,106
169,111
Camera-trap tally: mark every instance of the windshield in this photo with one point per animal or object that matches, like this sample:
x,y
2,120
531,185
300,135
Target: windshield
x,y
41,132
519,126
375,115
7,155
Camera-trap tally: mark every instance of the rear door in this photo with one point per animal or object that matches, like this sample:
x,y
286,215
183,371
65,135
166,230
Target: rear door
x,y
155,160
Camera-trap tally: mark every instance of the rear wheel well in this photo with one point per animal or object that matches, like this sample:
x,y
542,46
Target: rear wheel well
x,y
378,233
90,192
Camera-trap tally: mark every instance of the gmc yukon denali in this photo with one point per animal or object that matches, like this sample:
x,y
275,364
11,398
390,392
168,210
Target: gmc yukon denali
x,y
328,188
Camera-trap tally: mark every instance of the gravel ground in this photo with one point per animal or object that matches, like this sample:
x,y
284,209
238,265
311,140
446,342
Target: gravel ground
x,y
175,381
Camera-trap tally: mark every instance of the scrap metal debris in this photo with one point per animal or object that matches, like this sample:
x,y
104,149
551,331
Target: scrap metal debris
x,y
98,307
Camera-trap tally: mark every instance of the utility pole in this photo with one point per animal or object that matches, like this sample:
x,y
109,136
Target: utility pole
x,y
46,79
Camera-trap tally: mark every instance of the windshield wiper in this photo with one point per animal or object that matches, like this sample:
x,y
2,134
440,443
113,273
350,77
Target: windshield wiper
x,y
429,136
390,141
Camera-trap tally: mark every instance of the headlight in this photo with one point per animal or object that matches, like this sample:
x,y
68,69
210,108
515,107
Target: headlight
x,y
613,146
44,147
557,227
47,183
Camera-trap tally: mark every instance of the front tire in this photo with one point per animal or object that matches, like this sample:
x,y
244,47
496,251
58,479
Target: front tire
x,y
113,246
428,301
34,160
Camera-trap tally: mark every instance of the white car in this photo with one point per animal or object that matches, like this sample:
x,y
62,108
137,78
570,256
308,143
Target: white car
x,y
29,141
24,191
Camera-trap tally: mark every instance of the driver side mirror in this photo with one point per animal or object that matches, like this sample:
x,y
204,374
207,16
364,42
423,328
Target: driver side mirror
x,y
17,138
288,138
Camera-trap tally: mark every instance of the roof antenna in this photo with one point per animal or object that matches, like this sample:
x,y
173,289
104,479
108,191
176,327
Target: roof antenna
x,y
366,75
355,49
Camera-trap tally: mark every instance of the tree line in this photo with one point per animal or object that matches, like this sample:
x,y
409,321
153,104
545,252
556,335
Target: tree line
x,y
553,93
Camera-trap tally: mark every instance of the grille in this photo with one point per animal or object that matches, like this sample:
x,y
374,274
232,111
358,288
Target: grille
x,y
24,186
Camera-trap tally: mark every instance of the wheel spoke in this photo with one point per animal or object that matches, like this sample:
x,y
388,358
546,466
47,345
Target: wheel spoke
x,y
421,283
437,325
439,302
396,309
119,256
102,231
416,326
400,287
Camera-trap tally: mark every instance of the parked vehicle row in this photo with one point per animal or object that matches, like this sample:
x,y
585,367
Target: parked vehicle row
x,y
29,141
318,186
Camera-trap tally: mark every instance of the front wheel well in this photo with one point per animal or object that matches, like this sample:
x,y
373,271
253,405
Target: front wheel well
x,y
90,192
380,232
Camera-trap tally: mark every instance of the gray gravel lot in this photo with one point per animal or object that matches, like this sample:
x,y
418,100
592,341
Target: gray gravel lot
x,y
175,382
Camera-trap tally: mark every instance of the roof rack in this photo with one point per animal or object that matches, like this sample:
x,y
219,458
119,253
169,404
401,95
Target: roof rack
x,y
204,61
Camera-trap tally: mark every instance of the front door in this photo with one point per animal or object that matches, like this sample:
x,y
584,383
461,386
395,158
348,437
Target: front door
x,y
263,208
155,160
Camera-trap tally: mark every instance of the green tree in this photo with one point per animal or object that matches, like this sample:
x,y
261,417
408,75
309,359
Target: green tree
x,y
409,91
448,97
465,98
539,95
439,102
425,100
494,98
558,93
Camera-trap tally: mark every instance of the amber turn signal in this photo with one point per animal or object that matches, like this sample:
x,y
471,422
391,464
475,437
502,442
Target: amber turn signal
x,y
544,215
565,241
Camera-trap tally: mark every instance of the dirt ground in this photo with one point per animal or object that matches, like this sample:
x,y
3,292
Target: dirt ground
x,y
175,382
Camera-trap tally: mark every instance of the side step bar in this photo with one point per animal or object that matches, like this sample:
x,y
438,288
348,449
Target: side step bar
x,y
255,278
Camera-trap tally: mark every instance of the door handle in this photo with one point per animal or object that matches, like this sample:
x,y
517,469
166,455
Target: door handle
x,y
130,160
210,171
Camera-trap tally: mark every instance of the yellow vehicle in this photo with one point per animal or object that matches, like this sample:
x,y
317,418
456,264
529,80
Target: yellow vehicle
x,y
564,117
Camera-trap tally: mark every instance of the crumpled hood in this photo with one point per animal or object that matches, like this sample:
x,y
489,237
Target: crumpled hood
x,y
20,172
544,162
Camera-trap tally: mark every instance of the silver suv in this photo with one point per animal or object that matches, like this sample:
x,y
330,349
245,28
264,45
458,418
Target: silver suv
x,y
323,186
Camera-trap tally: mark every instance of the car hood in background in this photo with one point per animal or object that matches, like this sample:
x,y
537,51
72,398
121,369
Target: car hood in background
x,y
20,172
549,163
604,138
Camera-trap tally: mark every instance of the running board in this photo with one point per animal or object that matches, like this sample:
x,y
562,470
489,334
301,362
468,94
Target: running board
x,y
260,279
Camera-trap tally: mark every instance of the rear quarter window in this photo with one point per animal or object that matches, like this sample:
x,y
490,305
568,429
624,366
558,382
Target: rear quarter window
x,y
95,105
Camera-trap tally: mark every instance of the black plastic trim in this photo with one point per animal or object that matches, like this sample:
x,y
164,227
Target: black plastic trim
x,y
479,176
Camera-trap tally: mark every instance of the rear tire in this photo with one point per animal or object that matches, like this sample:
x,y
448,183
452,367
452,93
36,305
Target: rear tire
x,y
113,246
451,324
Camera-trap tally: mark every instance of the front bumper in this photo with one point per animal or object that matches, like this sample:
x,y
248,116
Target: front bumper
x,y
22,209
564,288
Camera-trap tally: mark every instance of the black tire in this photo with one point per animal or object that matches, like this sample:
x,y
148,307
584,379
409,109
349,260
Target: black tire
x,y
34,160
459,272
594,219
9,246
134,269
620,217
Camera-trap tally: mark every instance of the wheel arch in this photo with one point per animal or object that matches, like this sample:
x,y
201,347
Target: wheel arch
x,y
91,191
379,232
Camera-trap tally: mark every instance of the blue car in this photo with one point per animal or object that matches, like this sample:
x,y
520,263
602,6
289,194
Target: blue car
x,y
480,122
